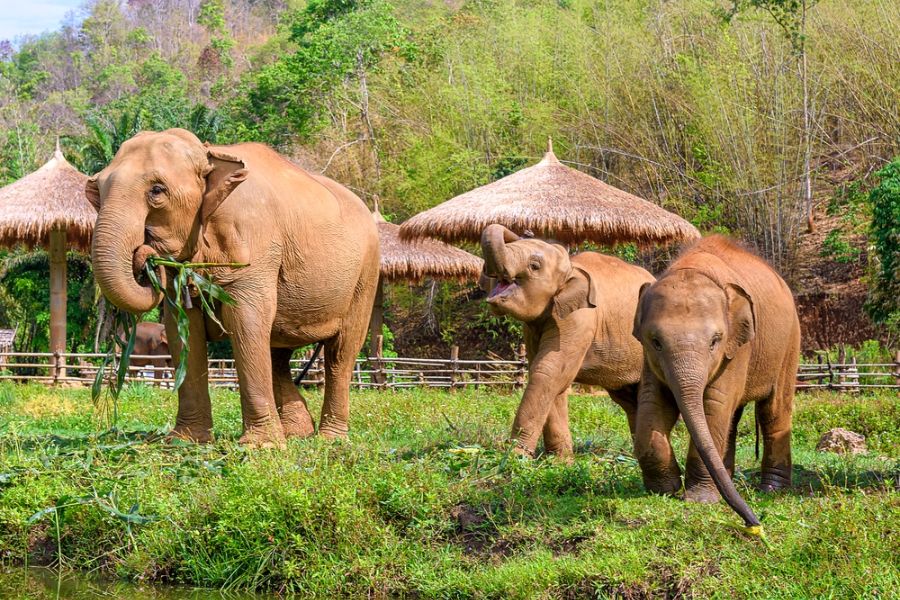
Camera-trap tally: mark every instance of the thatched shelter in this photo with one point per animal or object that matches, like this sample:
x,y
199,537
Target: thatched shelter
x,y
48,208
416,260
554,201
413,262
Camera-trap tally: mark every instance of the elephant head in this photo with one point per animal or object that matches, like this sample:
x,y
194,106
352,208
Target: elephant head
x,y
691,327
153,198
528,278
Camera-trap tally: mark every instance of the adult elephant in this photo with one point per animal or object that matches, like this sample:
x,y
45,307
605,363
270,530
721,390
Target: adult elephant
x,y
719,330
312,250
577,314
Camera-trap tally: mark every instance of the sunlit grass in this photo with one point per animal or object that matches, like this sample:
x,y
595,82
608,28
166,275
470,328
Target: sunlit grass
x,y
426,498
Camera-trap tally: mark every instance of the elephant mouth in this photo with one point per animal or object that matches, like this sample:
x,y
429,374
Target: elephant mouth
x,y
502,290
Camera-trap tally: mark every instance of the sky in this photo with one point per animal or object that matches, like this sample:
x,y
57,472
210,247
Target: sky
x,y
20,17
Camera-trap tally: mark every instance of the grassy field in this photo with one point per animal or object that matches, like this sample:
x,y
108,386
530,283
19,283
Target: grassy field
x,y
425,500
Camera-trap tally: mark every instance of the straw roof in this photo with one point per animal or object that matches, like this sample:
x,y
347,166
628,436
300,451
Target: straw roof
x,y
414,261
554,201
51,197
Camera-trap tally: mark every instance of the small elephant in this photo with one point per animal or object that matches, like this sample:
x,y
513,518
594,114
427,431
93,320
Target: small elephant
x,y
577,313
150,340
719,330
312,255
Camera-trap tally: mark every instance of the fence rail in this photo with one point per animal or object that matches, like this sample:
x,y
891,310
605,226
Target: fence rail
x,y
382,372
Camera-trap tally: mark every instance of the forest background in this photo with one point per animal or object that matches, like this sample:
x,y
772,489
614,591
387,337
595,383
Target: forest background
x,y
775,121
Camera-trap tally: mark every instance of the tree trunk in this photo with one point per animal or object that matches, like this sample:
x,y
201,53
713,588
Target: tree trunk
x,y
807,134
58,298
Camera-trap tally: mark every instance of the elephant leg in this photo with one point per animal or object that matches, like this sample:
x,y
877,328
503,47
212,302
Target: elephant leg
x,y
557,436
656,415
550,373
295,417
340,358
194,419
627,397
698,483
775,414
250,327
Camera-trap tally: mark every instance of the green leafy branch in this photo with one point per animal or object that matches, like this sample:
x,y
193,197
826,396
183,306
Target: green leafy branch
x,y
187,285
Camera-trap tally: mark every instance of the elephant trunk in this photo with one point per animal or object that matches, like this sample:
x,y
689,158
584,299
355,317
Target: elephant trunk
x,y
493,245
687,377
117,249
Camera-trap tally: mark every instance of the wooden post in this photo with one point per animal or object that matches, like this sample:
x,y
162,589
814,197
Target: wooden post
x,y
58,301
377,319
454,359
897,368
378,375
522,356
853,376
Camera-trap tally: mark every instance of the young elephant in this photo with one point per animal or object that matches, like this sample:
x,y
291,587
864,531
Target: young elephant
x,y
719,330
577,314
150,340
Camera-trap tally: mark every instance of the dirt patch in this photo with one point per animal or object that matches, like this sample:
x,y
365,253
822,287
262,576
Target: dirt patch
x,y
569,545
42,550
477,534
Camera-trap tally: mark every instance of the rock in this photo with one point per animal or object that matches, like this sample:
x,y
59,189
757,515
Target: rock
x,y
842,441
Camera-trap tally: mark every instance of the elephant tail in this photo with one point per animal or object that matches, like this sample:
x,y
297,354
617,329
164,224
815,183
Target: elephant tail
x,y
309,363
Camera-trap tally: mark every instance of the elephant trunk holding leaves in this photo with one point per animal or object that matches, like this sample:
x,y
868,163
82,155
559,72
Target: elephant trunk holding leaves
x,y
312,251
719,330
577,314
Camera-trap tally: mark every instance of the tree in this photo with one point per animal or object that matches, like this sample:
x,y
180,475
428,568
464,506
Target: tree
x,y
884,235
790,16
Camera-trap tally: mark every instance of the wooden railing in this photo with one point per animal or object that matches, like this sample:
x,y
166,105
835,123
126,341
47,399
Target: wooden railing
x,y
381,372
374,372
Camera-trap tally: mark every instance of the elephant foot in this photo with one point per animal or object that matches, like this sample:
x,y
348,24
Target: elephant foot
x,y
198,435
333,431
702,494
774,479
562,453
297,423
263,437
667,486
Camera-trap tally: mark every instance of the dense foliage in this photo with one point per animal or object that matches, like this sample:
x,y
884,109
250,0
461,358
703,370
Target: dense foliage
x,y
884,232
698,105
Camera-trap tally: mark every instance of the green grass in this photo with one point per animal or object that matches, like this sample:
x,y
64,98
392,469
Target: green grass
x,y
425,499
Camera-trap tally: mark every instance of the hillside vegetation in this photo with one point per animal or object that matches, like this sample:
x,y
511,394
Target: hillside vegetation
x,y
715,110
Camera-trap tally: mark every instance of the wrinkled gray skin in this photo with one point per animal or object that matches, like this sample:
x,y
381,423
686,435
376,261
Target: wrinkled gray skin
x,y
312,250
150,340
719,330
577,314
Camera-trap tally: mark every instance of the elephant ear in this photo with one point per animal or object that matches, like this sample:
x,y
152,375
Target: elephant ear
x,y
741,319
577,292
223,174
639,312
92,192
163,338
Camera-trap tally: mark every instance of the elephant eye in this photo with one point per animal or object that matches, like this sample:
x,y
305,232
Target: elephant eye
x,y
157,189
656,344
534,266
715,341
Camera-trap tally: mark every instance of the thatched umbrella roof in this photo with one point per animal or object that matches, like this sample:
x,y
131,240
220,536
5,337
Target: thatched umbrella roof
x,y
50,198
554,201
414,261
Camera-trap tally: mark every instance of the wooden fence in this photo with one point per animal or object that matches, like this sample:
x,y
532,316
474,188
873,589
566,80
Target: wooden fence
x,y
382,372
